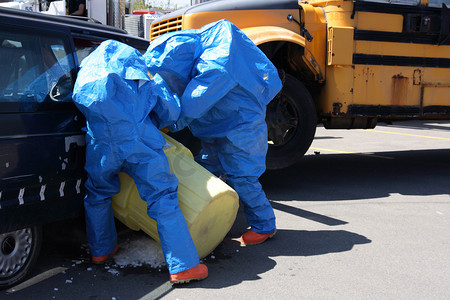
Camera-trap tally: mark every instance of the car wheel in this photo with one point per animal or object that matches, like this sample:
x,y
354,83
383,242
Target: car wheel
x,y
19,251
291,121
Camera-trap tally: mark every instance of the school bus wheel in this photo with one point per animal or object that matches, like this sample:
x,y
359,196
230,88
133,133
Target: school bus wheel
x,y
291,121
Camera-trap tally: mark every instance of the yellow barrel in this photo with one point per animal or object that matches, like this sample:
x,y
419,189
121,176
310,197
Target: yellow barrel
x,y
208,204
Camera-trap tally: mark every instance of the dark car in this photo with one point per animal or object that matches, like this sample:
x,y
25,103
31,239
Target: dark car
x,y
42,145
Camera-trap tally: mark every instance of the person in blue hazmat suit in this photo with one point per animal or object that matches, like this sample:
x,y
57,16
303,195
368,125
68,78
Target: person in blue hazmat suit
x,y
224,83
124,106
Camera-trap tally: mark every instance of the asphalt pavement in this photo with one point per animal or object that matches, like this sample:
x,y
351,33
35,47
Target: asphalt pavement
x,y
364,215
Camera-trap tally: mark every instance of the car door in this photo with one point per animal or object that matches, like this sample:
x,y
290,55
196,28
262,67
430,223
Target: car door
x,y
41,141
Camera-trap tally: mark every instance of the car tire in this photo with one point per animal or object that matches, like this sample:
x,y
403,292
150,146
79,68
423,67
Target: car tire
x,y
291,120
19,251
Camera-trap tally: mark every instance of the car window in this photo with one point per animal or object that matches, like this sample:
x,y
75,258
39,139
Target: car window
x,y
84,47
35,68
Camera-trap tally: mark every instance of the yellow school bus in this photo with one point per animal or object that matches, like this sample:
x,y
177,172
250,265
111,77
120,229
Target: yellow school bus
x,y
344,64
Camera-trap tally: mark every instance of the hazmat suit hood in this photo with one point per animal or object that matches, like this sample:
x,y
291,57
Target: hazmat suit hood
x,y
117,94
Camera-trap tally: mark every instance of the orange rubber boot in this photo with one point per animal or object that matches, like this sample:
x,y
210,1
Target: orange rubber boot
x,y
198,272
254,238
102,259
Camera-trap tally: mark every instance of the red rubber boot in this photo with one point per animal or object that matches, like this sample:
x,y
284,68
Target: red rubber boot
x,y
198,272
102,259
254,238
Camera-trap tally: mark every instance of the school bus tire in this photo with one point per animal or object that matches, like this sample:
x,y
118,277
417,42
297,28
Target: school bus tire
x,y
291,120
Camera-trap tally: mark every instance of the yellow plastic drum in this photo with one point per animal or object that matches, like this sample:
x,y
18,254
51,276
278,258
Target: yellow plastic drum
x,y
208,204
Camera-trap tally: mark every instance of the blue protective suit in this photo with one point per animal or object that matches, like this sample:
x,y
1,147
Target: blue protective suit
x,y
225,83
115,93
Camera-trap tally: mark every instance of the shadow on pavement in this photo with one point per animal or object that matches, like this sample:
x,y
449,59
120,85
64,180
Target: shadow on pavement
x,y
307,214
233,264
334,177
